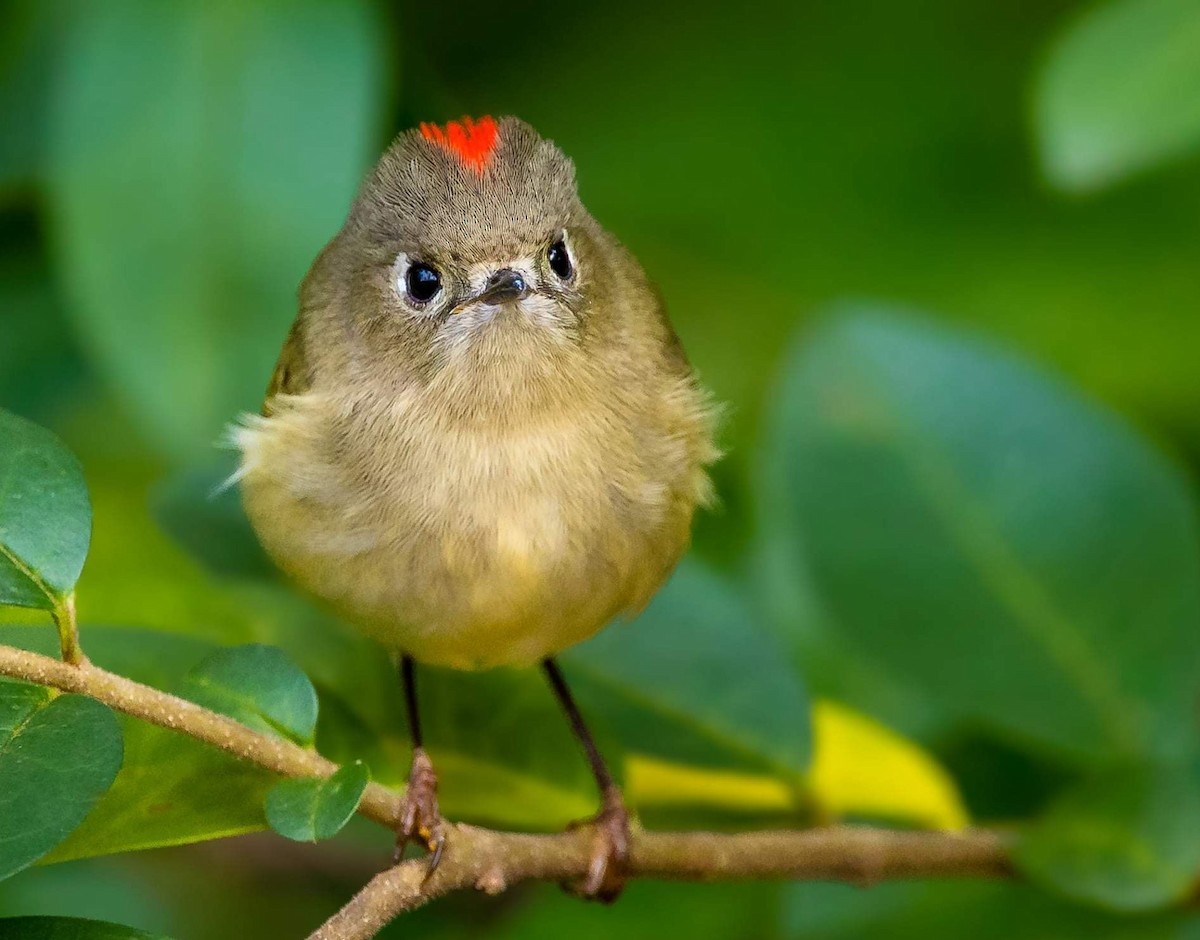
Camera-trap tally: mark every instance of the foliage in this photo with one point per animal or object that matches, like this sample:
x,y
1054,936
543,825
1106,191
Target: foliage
x,y
311,809
68,928
40,479
946,583
1036,540
222,147
259,687
44,793
1120,92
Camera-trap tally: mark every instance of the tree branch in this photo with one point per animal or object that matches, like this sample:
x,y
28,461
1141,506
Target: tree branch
x,y
379,803
492,861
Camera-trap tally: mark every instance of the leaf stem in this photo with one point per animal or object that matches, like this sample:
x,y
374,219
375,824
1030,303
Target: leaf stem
x,y
68,631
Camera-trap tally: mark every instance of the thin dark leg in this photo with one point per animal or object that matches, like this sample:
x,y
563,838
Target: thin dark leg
x,y
604,779
610,854
420,818
408,677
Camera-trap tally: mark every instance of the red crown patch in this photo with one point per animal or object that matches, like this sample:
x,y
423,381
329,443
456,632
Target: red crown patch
x,y
473,142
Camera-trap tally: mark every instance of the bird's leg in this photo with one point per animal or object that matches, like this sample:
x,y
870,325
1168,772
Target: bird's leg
x,y
420,818
610,827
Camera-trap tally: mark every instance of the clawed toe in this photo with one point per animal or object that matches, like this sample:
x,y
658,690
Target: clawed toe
x,y
605,879
420,818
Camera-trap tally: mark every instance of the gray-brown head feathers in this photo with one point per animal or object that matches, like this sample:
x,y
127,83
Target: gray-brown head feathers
x,y
409,283
510,190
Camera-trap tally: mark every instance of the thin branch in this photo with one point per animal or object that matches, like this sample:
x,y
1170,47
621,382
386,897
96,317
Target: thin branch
x,y
492,861
379,803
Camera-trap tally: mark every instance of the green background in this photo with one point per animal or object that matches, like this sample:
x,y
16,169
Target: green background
x,y
784,172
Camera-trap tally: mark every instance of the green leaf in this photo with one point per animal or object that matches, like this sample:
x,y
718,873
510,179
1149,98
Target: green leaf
x,y
312,809
58,754
990,535
1125,840
172,789
258,686
1120,92
45,516
503,750
240,131
69,928
674,682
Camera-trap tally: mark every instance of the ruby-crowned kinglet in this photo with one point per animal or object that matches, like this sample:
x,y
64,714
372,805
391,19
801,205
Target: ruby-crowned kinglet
x,y
483,440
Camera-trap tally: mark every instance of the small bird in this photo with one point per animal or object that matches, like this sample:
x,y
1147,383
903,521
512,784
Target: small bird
x,y
482,441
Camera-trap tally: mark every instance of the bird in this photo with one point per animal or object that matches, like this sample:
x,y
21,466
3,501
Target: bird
x,y
482,441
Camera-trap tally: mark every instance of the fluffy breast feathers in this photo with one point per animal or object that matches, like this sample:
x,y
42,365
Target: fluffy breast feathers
x,y
474,539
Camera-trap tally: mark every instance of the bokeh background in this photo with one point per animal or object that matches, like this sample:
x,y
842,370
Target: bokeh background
x,y
169,170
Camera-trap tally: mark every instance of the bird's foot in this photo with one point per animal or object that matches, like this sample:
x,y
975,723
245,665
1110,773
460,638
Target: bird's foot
x,y
420,819
605,879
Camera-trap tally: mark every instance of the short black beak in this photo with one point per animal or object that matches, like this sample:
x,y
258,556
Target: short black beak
x,y
504,286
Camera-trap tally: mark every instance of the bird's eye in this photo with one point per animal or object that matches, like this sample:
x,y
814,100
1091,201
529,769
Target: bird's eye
x,y
422,282
559,260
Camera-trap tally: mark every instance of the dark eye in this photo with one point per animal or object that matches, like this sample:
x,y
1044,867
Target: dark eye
x,y
560,259
422,282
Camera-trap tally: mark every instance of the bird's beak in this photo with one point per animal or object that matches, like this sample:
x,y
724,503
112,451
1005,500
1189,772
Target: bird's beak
x,y
505,286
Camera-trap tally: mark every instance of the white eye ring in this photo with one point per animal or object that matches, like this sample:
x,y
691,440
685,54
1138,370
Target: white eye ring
x,y
418,283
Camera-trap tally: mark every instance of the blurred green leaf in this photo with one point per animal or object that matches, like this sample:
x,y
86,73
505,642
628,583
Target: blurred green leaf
x,y
30,34
240,132
674,682
93,889
58,754
952,910
1120,92
315,808
258,686
69,928
1125,840
135,574
45,516
991,535
40,367
650,911
503,750
203,514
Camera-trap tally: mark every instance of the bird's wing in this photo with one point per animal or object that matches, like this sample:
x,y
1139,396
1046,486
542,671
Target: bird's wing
x,y
291,375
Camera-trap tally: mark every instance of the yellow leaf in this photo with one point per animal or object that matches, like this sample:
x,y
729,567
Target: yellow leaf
x,y
660,783
860,768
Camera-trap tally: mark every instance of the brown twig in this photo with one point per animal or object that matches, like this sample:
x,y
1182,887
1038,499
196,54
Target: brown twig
x,y
379,803
492,861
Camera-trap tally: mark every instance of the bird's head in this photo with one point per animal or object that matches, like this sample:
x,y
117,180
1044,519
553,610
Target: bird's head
x,y
467,236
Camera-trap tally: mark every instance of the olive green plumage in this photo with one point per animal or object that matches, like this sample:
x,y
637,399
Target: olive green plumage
x,y
477,481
